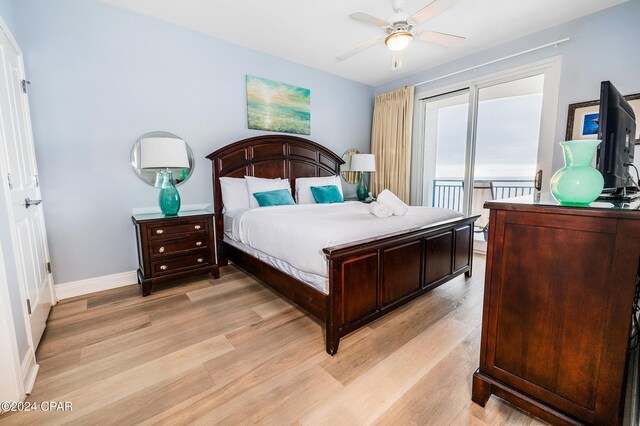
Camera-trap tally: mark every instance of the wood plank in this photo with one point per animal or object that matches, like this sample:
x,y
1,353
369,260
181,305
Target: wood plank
x,y
156,399
115,387
274,307
307,354
57,345
67,308
390,334
162,344
361,403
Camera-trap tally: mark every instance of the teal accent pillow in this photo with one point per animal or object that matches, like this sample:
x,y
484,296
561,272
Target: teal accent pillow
x,y
327,194
279,197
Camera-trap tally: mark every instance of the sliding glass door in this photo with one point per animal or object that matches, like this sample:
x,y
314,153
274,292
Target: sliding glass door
x,y
445,149
481,143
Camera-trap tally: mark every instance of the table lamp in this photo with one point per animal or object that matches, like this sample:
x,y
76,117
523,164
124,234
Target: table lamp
x,y
164,153
363,163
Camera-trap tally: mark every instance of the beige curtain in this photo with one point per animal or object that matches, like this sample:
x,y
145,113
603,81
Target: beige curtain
x,y
391,142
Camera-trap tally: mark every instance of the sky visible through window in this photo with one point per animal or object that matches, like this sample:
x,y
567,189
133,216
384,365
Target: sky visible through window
x,y
507,138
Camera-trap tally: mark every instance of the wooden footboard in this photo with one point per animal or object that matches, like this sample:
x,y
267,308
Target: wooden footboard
x,y
371,277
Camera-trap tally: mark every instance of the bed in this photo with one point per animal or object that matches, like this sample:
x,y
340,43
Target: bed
x,y
365,278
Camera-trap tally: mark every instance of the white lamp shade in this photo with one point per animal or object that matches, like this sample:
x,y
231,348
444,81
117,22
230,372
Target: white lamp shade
x,y
162,152
363,163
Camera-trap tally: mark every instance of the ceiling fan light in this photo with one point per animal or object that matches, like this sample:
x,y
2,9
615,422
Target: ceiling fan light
x,y
398,41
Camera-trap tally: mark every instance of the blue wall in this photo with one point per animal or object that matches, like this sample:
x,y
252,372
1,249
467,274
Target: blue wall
x,y
102,76
603,46
7,13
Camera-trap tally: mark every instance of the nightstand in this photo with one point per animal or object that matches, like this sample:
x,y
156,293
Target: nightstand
x,y
174,247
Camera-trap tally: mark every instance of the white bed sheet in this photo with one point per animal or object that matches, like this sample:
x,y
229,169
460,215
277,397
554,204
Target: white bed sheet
x,y
297,234
315,281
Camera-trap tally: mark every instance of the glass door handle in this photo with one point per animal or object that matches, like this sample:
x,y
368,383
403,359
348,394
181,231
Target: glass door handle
x,y
537,182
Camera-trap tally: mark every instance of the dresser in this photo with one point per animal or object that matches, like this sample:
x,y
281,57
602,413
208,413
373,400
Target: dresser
x,y
559,297
174,247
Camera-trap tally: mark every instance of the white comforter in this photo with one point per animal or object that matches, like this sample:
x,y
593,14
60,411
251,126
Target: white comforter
x,y
297,234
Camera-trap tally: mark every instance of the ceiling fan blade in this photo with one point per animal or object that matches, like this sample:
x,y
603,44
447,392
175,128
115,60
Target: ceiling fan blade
x,y
365,18
359,48
444,39
431,10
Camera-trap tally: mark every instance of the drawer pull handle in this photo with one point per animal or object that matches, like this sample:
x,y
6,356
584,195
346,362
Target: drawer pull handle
x,y
200,260
161,250
199,243
163,267
197,227
159,231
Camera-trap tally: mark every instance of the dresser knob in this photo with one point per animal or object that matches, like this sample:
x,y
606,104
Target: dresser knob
x,y
161,249
200,260
197,227
159,231
199,243
163,267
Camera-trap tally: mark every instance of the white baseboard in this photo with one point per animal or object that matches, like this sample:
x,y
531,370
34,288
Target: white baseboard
x,y
92,285
29,371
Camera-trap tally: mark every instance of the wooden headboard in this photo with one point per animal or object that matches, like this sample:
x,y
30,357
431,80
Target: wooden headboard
x,y
269,156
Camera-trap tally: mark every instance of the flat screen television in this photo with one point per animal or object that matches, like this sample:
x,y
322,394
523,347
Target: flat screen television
x,y
616,130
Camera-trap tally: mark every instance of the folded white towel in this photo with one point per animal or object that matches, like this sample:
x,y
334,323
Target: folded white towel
x,y
396,204
380,210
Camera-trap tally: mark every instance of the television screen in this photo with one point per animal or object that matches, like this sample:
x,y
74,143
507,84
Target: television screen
x,y
616,130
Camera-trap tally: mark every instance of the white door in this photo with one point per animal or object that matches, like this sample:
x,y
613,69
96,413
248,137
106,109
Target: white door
x,y
20,173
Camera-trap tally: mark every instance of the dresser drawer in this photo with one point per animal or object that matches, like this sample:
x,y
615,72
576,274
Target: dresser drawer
x,y
180,263
162,248
158,231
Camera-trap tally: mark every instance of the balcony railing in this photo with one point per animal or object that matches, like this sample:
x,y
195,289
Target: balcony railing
x,y
448,193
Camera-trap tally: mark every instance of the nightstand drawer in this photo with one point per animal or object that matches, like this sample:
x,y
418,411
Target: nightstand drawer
x,y
167,230
179,263
161,249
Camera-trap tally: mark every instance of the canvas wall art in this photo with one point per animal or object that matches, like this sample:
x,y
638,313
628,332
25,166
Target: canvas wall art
x,y
278,107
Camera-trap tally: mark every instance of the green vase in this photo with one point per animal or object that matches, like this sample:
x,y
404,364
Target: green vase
x,y
169,199
577,183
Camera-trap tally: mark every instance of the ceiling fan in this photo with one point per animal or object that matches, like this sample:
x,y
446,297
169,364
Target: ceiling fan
x,y
400,30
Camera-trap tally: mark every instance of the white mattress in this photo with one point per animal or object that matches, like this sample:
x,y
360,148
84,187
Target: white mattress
x,y
296,235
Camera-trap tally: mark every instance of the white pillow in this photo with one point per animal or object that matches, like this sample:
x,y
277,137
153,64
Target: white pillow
x,y
234,194
255,184
303,187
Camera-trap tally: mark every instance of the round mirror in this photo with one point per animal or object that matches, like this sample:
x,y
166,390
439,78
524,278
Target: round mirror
x,y
148,175
345,169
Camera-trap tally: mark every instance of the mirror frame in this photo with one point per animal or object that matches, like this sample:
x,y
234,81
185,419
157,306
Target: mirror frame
x,y
345,169
149,176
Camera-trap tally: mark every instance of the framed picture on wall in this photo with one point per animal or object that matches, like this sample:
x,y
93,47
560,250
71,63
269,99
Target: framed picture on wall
x,y
582,121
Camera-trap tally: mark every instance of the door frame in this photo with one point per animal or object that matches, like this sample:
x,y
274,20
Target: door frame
x,y
550,67
26,369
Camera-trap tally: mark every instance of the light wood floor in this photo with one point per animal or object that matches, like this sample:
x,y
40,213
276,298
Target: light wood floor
x,y
231,351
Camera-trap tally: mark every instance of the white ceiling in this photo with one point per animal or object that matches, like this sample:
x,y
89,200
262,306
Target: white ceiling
x,y
314,32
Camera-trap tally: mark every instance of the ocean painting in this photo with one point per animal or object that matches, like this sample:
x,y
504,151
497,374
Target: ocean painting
x,y
590,125
278,107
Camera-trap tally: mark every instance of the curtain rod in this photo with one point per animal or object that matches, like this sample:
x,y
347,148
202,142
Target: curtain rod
x,y
553,43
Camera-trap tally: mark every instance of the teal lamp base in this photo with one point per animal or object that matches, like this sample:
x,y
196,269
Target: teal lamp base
x,y
362,190
169,198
